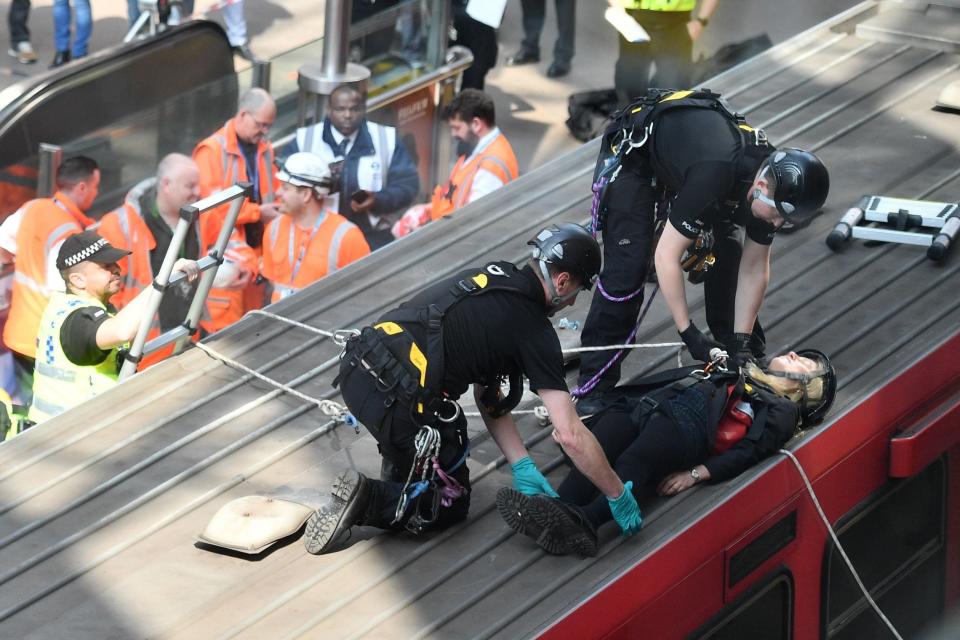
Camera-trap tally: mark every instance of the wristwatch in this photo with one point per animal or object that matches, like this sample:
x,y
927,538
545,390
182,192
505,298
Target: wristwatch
x,y
695,475
702,20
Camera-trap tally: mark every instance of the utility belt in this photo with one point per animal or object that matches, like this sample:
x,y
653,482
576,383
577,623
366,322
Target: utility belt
x,y
379,351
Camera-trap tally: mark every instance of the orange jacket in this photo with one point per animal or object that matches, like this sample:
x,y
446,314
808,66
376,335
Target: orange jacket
x,y
18,184
294,257
125,228
222,164
497,158
46,222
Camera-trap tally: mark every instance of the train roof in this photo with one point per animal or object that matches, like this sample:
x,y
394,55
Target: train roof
x,y
101,506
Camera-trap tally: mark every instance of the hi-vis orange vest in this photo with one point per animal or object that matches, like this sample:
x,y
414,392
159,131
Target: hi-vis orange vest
x,y
222,164
496,157
125,228
46,222
294,257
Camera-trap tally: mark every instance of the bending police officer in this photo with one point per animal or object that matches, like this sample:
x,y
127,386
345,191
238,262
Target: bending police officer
x,y
402,378
683,159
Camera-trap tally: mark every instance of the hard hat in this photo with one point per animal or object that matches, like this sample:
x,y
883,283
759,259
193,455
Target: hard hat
x,y
801,184
811,411
571,248
303,169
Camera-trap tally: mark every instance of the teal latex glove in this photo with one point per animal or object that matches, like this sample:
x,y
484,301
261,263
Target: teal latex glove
x,y
528,480
626,511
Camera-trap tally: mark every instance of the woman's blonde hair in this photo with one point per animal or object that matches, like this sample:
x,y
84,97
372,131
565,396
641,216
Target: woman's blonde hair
x,y
791,389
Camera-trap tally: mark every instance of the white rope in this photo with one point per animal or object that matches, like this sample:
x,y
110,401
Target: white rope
x,y
331,408
339,336
611,347
836,542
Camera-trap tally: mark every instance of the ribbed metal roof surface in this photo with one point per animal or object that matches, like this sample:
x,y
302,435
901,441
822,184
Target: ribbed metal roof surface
x,y
100,507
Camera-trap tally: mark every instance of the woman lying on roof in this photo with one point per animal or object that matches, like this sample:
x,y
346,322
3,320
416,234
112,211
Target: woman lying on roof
x,y
696,428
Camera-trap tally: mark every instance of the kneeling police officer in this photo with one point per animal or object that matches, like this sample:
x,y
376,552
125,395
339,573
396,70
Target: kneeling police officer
x,y
402,378
683,162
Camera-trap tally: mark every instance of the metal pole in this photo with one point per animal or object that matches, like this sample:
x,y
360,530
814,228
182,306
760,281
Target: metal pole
x,y
156,295
334,70
50,157
439,27
336,39
261,74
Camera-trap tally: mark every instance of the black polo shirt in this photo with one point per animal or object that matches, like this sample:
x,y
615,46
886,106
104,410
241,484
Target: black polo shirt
x,y
497,333
696,155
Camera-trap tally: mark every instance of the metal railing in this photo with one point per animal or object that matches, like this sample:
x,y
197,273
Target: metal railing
x,y
208,265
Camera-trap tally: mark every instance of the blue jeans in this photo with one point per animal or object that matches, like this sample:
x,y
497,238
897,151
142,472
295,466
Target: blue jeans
x,y
61,26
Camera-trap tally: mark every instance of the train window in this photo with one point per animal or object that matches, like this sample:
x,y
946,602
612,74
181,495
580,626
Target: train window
x,y
896,542
765,611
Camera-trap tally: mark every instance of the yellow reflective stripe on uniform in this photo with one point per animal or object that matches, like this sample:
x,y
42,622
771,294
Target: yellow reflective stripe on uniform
x,y
54,236
29,283
268,157
481,280
334,251
40,405
746,127
124,218
54,389
58,373
389,328
227,161
660,5
420,362
284,291
677,95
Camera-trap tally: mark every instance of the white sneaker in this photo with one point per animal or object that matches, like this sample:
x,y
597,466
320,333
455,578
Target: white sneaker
x,y
23,52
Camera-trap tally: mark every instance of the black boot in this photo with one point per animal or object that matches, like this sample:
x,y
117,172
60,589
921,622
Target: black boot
x,y
557,527
61,58
348,503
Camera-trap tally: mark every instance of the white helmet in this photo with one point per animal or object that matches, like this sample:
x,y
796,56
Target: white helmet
x,y
304,169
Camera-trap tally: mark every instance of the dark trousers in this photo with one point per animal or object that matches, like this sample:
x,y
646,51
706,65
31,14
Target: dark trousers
x,y
481,39
643,454
388,418
670,49
719,291
627,251
534,15
17,18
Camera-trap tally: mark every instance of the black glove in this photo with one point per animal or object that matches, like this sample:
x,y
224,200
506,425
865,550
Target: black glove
x,y
739,349
698,344
744,347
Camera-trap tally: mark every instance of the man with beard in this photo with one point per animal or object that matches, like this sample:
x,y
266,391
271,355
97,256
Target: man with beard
x,y
80,333
144,226
485,160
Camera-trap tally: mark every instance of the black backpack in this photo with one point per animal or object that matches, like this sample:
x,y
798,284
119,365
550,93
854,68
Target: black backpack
x,y
590,113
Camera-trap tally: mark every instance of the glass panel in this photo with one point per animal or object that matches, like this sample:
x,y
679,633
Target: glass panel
x,y
765,614
899,529
912,605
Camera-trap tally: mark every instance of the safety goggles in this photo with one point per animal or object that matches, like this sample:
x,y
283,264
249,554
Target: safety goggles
x,y
785,208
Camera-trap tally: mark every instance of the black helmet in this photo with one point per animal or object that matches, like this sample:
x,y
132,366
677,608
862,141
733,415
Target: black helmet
x,y
812,411
569,247
801,183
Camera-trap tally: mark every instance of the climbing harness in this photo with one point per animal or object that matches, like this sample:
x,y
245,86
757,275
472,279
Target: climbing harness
x,y
426,466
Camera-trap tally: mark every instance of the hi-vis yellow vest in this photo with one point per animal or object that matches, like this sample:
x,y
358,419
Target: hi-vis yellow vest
x,y
660,5
58,384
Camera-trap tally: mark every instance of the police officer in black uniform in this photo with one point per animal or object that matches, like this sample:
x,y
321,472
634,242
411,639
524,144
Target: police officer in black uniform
x,y
685,158
401,379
